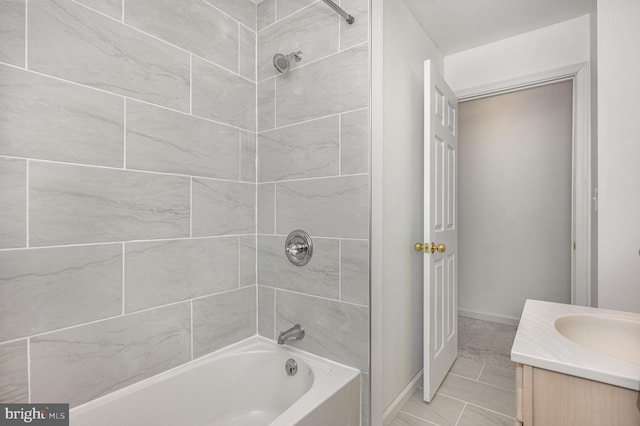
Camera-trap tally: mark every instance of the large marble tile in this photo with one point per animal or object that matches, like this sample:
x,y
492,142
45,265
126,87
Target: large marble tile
x,y
318,277
442,410
49,119
223,208
474,416
266,312
83,363
335,330
314,31
190,24
354,142
247,156
266,208
72,42
287,7
112,8
13,214
247,47
336,84
467,368
248,260
497,376
163,272
72,204
222,96
223,319
12,22
266,13
244,11
14,383
354,270
267,104
167,141
45,289
331,207
300,151
358,32
485,396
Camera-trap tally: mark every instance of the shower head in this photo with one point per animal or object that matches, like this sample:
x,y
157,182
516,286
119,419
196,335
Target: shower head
x,y
283,63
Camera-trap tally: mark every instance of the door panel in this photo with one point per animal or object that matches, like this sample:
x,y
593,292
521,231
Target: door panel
x,y
440,228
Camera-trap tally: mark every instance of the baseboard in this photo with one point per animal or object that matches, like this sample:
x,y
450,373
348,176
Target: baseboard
x,y
394,408
489,317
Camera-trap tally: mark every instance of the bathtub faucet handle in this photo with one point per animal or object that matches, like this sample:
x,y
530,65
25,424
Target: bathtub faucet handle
x,y
294,333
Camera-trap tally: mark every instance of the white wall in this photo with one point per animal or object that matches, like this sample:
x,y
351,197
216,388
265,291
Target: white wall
x,y
619,154
406,45
505,202
556,46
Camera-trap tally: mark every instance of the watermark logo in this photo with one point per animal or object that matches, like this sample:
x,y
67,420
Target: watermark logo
x,y
34,414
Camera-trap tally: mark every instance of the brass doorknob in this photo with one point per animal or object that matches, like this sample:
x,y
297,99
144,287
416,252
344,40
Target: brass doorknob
x,y
441,248
419,246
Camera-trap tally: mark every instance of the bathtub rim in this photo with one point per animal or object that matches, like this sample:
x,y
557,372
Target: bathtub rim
x,y
329,377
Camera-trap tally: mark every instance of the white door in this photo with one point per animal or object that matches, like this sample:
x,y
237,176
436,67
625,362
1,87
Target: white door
x,y
440,230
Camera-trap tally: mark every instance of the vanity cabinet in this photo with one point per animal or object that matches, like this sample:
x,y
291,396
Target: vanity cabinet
x,y
547,398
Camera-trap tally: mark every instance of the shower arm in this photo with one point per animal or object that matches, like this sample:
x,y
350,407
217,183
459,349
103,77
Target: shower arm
x,y
350,19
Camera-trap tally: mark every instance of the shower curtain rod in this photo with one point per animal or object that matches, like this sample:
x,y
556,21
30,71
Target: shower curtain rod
x,y
350,19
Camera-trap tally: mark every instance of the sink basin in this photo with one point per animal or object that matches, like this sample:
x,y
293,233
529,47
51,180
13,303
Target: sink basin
x,y
615,337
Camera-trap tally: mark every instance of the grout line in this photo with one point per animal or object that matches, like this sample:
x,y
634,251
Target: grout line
x,y
29,369
339,269
297,123
481,371
162,40
191,309
356,46
119,169
124,161
416,417
340,144
124,259
191,207
191,83
132,313
257,310
238,38
275,102
275,208
122,13
229,16
315,178
75,83
26,34
27,183
239,262
275,331
324,238
127,241
317,297
461,411
240,156
275,17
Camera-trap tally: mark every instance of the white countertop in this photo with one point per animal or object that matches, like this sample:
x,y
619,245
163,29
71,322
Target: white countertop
x,y
539,344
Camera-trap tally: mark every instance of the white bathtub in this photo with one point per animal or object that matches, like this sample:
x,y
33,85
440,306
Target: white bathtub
x,y
242,385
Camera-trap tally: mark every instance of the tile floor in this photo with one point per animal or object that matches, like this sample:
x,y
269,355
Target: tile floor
x,y
476,392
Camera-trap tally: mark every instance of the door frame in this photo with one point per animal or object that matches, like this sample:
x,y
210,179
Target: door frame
x,y
581,161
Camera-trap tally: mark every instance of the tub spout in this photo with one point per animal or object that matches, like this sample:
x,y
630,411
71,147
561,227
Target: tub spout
x,y
294,333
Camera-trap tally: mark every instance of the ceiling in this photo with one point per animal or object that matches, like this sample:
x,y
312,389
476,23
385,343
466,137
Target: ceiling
x,y
456,25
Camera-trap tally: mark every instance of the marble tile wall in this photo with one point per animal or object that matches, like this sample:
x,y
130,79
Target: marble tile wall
x,y
152,163
313,165
128,185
